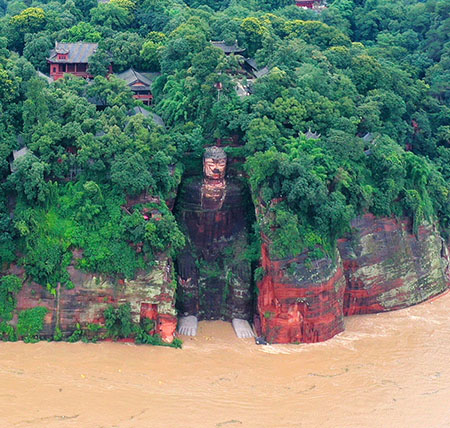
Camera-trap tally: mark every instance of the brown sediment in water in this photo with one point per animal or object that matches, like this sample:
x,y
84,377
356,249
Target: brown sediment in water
x,y
385,370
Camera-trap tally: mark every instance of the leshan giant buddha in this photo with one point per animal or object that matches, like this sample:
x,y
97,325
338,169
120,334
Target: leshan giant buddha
x,y
214,277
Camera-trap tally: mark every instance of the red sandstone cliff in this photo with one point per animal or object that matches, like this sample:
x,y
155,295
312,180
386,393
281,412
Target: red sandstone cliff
x,y
151,295
387,267
300,300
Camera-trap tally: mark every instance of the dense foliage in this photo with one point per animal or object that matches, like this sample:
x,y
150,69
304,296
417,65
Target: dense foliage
x,y
352,117
9,286
31,323
119,325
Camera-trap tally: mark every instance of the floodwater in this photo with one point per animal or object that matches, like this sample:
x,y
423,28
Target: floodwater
x,y
386,370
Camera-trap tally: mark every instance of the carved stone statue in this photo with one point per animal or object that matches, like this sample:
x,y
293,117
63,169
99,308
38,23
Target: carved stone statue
x,y
214,184
214,164
214,279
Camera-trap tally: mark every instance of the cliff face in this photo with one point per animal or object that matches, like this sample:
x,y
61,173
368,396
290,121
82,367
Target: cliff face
x,y
214,280
151,295
387,268
384,267
380,266
300,300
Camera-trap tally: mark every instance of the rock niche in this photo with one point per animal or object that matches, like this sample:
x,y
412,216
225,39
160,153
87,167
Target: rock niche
x,y
214,278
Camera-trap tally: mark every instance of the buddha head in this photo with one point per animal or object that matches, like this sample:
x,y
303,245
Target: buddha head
x,y
214,163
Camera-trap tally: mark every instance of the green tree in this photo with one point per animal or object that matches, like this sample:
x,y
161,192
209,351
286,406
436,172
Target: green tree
x,y
37,49
28,178
10,285
253,31
31,20
85,6
111,92
111,15
262,134
83,32
99,63
118,321
129,172
31,323
124,48
165,235
150,54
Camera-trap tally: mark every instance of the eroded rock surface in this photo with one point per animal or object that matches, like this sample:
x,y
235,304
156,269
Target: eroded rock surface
x,y
300,300
151,295
387,267
384,267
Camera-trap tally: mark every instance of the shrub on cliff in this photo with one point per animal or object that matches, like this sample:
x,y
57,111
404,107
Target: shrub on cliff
x,y
31,323
9,286
118,321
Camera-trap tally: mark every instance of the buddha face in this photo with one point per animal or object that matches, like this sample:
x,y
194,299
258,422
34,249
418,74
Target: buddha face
x,y
214,169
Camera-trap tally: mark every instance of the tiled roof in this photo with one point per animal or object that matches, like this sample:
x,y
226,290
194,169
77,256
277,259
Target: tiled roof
x,y
254,69
17,154
158,120
152,76
252,63
44,76
368,137
312,135
78,53
132,76
227,49
139,110
261,73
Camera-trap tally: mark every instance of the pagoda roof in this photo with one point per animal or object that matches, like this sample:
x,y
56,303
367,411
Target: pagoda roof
x,y
262,72
227,49
252,63
77,53
132,76
312,135
17,154
253,68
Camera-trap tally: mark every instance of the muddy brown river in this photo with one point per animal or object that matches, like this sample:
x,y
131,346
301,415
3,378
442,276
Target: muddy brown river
x,y
386,370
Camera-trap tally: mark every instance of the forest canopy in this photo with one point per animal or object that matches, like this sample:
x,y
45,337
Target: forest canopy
x,y
347,113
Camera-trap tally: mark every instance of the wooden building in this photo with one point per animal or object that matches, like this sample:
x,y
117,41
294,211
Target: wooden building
x,y
308,4
140,84
72,58
228,49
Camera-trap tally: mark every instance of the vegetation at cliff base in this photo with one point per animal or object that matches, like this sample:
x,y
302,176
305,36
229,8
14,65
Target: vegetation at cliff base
x,y
31,323
119,325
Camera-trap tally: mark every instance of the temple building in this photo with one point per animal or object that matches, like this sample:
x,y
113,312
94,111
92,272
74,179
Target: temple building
x,y
228,49
72,58
307,4
140,84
